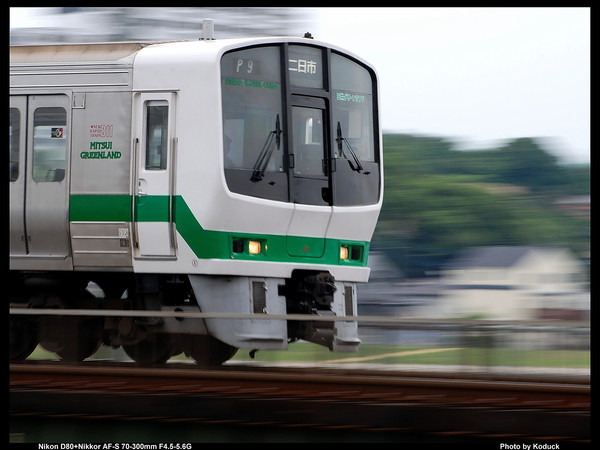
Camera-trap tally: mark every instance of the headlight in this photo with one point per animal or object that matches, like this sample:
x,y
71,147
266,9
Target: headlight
x,y
254,247
344,252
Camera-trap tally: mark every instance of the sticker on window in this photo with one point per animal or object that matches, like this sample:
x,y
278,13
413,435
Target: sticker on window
x,y
57,132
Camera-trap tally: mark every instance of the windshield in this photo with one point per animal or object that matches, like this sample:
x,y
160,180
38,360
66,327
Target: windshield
x,y
252,105
253,101
264,157
357,175
300,125
353,105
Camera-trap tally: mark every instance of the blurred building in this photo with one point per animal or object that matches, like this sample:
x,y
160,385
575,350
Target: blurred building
x,y
575,205
514,283
390,292
101,24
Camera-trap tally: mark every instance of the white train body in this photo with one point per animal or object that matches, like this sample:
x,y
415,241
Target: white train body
x,y
138,162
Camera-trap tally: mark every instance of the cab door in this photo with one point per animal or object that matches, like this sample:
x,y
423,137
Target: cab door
x,y
310,168
310,181
154,182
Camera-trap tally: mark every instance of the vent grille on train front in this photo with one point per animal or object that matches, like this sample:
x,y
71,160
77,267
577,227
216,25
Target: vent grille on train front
x,y
348,300
259,297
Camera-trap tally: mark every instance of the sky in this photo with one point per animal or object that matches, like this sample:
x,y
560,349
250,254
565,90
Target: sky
x,y
479,76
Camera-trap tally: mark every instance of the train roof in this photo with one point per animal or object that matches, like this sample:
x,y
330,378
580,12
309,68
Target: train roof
x,y
125,52
49,53
95,52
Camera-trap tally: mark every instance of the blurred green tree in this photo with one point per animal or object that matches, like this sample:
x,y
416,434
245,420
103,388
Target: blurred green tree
x,y
438,200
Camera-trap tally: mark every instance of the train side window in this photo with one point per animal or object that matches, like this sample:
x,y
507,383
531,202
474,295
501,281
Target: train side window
x,y
157,131
49,144
14,131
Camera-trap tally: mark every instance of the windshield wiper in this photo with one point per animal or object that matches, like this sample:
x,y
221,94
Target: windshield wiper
x,y
258,171
356,165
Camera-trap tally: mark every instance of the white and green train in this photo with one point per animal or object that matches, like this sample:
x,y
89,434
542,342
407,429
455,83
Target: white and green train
x,y
213,176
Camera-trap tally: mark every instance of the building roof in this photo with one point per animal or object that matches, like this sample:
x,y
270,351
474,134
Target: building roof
x,y
492,256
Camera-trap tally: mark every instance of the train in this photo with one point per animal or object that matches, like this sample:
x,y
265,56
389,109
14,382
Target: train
x,y
240,177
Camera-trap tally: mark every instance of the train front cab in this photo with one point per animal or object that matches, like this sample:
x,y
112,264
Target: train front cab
x,y
300,127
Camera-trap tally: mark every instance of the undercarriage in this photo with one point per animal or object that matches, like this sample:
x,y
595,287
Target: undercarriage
x,y
98,311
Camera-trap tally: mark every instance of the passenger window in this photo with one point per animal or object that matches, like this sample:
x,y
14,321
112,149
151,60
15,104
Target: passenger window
x,y
157,134
49,144
14,132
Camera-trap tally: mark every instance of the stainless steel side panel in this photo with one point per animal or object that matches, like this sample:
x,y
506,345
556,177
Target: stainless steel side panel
x,y
101,143
101,171
97,99
105,244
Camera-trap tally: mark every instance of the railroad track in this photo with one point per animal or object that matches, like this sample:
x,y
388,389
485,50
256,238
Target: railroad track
x,y
477,406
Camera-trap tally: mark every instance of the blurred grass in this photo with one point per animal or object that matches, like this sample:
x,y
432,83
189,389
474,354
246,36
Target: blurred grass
x,y
307,352
385,354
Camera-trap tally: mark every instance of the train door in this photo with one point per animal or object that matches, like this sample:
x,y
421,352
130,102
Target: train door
x,y
17,133
309,147
154,182
39,192
310,185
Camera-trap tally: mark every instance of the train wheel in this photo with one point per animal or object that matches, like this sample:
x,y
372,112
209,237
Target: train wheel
x,y
156,348
209,351
87,342
23,338
72,338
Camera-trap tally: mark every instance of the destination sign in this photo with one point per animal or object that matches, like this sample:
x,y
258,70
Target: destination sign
x,y
348,97
305,66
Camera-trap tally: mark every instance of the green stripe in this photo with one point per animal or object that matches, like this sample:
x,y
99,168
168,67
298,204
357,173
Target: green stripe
x,y
204,243
100,208
208,244
152,208
117,208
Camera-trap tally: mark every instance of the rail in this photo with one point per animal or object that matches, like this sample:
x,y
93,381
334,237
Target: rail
x,y
309,398
419,323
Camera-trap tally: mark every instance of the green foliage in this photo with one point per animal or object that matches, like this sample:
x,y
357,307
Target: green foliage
x,y
440,200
